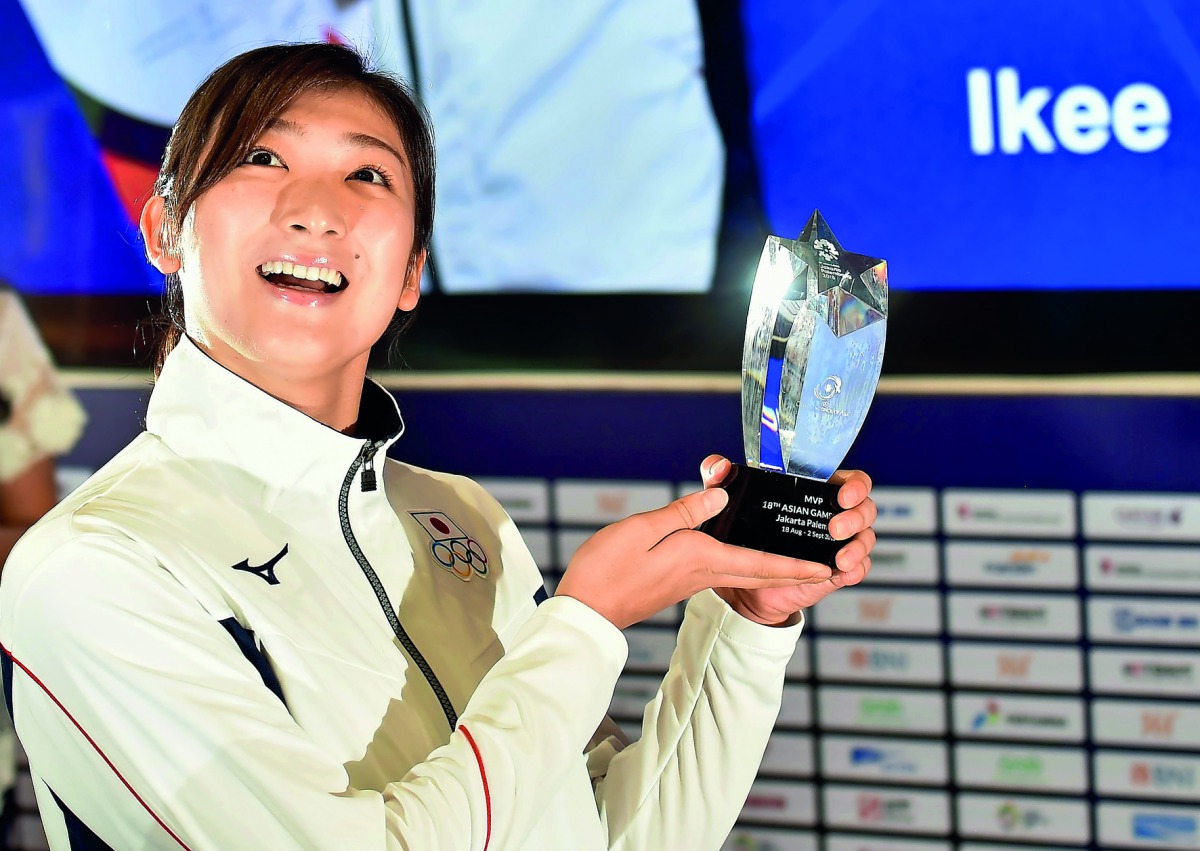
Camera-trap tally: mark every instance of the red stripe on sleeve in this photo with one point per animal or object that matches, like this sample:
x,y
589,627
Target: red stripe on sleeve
x,y
487,795
107,761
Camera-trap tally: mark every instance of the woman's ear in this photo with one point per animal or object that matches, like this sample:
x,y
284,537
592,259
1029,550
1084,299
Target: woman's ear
x,y
411,294
150,224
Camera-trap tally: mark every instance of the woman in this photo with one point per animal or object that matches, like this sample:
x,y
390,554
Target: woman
x,y
253,630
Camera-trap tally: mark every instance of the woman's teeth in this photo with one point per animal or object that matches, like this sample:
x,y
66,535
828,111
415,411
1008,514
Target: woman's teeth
x,y
332,278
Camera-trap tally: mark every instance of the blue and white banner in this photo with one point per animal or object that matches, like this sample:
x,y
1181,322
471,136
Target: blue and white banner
x,y
986,145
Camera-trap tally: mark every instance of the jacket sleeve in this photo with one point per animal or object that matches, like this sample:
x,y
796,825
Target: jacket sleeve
x,y
148,725
683,783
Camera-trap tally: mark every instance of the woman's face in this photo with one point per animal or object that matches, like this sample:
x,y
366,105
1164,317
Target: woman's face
x,y
294,263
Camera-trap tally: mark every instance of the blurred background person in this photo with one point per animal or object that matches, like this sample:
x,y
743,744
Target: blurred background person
x,y
613,183
39,419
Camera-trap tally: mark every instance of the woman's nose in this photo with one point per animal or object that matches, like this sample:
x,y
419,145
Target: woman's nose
x,y
311,206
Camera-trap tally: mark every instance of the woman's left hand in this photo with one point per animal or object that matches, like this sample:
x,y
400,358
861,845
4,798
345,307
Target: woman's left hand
x,y
779,606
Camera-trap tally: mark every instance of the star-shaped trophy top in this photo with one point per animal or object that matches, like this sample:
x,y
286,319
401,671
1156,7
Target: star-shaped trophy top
x,y
853,286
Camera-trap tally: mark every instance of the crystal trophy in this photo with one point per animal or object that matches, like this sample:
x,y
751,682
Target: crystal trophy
x,y
810,366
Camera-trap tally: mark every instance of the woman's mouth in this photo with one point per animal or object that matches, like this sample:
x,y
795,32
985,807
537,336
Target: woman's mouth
x,y
319,279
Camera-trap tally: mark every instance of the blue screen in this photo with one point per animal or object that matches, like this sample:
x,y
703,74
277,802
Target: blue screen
x,y
974,146
65,230
982,146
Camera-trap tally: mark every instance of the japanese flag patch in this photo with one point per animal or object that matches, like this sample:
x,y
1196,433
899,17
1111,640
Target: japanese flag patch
x,y
451,547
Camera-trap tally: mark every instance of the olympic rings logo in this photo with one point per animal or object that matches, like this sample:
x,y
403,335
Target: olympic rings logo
x,y
451,546
461,556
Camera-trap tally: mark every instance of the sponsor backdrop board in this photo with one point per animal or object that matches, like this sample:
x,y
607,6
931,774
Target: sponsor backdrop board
x,y
1020,671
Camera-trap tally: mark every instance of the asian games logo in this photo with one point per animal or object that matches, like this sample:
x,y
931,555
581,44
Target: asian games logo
x,y
826,249
451,547
828,388
826,392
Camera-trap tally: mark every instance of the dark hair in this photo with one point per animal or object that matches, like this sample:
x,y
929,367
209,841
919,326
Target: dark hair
x,y
235,105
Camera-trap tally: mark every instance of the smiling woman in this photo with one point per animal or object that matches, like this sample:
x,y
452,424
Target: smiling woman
x,y
253,629
291,265
324,165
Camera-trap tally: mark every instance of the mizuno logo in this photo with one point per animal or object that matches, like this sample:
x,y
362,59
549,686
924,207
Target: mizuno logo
x,y
265,571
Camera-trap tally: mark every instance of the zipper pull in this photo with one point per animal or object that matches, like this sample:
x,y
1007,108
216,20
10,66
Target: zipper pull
x,y
368,472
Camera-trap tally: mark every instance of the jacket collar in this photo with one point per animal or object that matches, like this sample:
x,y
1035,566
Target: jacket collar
x,y
204,412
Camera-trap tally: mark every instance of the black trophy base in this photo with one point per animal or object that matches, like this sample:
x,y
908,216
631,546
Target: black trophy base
x,y
777,513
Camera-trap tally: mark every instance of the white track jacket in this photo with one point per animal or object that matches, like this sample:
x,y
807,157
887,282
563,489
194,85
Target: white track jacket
x,y
250,631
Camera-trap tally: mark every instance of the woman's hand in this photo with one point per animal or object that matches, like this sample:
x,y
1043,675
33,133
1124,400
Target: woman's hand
x,y
644,563
779,606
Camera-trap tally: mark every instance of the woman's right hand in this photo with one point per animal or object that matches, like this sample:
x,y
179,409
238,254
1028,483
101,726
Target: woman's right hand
x,y
640,565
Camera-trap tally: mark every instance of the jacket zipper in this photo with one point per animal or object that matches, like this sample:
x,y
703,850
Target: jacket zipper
x,y
368,474
366,460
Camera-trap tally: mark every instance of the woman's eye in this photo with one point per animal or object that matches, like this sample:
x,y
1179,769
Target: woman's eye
x,y
261,156
371,174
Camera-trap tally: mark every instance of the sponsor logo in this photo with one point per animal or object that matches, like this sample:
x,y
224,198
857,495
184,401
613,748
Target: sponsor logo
x,y
744,842
1009,568
1020,768
875,659
886,760
878,610
1127,620
766,801
451,547
1013,613
266,570
965,512
1133,570
877,809
989,717
612,503
1010,817
1018,563
899,511
968,511
1149,775
1013,666
1140,518
1159,725
1081,119
1164,828
992,716
1157,671
876,710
